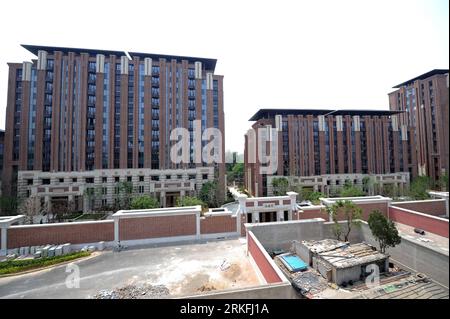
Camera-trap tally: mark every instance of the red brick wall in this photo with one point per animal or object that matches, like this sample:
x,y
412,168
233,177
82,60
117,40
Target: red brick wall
x,y
435,207
158,226
79,233
313,213
217,224
427,223
367,209
269,273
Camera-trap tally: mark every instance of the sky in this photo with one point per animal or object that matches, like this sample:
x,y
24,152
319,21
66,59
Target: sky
x,y
273,54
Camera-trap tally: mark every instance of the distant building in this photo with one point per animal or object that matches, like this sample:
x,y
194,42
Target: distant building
x,y
424,101
2,154
321,149
81,118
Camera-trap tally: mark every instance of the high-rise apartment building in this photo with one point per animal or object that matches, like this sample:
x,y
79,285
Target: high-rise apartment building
x,y
424,100
82,118
321,149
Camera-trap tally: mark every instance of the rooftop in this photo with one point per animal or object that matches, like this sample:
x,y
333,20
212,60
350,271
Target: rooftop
x,y
422,77
320,246
210,64
352,255
269,113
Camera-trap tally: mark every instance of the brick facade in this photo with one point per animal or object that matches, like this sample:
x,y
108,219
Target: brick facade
x,y
218,224
157,227
431,224
430,207
77,233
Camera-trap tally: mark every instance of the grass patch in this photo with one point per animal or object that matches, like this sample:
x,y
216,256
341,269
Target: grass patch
x,y
15,266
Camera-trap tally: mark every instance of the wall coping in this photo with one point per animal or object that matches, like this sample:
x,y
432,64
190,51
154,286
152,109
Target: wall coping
x,y
172,211
361,199
313,207
421,214
419,201
63,224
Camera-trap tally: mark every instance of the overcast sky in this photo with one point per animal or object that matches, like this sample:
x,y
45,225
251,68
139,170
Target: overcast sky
x,y
277,54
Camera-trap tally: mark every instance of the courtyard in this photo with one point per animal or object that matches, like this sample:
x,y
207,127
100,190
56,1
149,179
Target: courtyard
x,y
185,270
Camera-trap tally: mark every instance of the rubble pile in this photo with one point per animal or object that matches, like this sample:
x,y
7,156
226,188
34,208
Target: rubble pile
x,y
142,291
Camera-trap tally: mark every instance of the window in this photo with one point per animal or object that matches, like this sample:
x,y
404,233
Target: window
x,y
46,181
129,178
141,189
30,181
155,178
61,180
141,178
74,180
191,176
179,176
167,176
117,179
104,179
89,180
205,176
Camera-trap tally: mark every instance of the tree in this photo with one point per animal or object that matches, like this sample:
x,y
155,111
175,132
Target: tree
x,y
123,195
419,188
390,190
280,186
209,194
30,207
351,191
190,201
383,230
351,213
312,196
443,182
144,202
368,185
8,205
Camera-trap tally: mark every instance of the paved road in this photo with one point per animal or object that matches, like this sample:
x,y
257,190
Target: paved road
x,y
170,265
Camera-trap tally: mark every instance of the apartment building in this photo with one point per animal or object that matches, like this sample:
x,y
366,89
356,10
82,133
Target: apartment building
x,y
424,101
321,149
81,118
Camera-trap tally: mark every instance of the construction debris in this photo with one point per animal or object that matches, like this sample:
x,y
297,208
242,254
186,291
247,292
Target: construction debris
x,y
138,291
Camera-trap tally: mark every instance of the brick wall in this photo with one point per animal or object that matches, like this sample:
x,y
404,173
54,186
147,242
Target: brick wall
x,y
261,259
428,223
217,224
431,207
367,209
76,233
157,226
313,213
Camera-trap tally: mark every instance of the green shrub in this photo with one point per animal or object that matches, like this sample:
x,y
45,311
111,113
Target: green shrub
x,y
14,266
